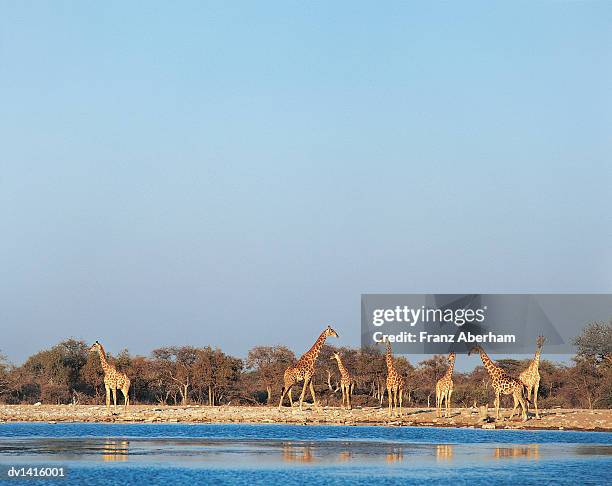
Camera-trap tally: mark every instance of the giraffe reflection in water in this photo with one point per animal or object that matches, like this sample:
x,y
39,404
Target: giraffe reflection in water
x,y
530,451
444,452
115,450
395,455
345,456
292,453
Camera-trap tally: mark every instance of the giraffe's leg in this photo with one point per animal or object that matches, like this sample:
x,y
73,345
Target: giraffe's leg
x,y
282,395
312,392
535,398
306,381
448,403
524,408
125,390
291,396
436,403
394,400
401,398
390,396
516,402
107,396
497,405
348,397
528,389
397,394
114,390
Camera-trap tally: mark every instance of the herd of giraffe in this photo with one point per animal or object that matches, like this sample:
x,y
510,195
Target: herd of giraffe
x,y
521,389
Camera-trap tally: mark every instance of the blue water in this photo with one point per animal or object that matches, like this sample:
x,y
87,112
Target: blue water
x,y
262,454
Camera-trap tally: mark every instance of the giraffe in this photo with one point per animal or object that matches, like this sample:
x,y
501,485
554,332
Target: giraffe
x,y
113,379
395,384
531,376
444,388
503,383
346,381
304,370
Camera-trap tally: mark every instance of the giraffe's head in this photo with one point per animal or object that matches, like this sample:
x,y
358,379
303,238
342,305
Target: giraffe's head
x,y
387,343
335,356
474,350
95,347
540,341
330,332
451,357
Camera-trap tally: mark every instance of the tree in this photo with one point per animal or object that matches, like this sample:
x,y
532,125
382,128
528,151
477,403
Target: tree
x,y
179,365
92,374
227,375
595,342
371,371
159,384
123,361
591,378
57,371
269,364
5,378
183,374
204,370
139,373
588,379
427,375
216,374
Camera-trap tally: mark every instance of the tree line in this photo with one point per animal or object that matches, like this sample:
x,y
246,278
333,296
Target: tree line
x,y
179,375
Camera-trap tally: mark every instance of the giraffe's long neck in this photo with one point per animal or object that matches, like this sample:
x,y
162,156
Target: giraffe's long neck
x,y
105,365
389,356
535,364
314,351
488,363
449,371
343,370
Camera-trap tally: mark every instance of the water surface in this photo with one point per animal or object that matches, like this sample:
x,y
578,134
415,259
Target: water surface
x,y
251,454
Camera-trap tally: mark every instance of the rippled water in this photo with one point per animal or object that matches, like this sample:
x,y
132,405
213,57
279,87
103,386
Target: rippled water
x,y
250,454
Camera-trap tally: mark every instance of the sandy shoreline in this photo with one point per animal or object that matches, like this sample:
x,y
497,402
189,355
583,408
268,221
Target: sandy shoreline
x,y
553,419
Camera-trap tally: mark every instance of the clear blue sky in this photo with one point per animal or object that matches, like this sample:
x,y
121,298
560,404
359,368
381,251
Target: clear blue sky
x,y
238,173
